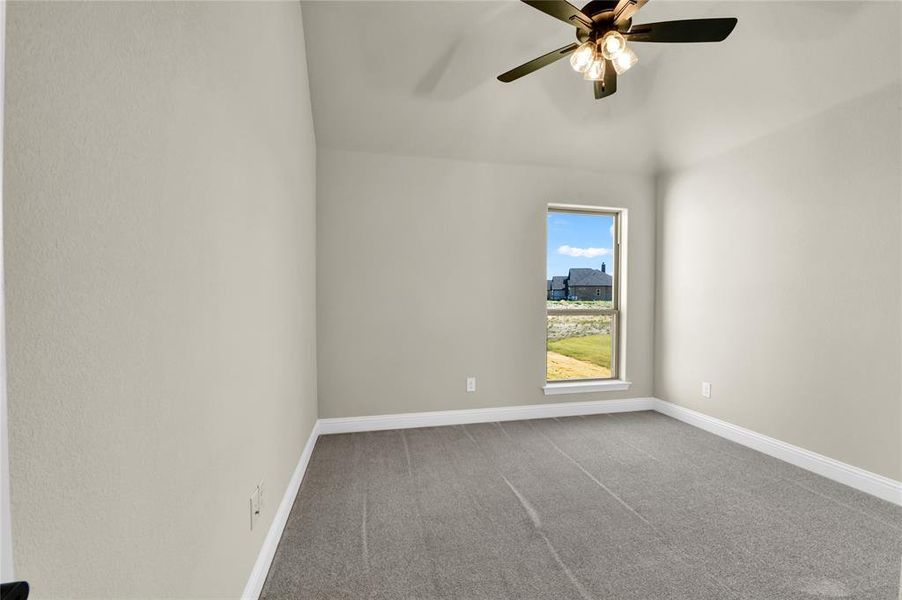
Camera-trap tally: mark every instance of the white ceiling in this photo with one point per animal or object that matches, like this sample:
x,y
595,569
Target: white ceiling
x,y
418,78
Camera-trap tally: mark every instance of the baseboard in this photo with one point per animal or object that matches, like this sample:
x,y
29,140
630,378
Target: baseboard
x,y
268,550
865,481
481,415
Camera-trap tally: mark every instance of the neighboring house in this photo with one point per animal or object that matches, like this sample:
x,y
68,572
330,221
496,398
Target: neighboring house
x,y
557,288
582,284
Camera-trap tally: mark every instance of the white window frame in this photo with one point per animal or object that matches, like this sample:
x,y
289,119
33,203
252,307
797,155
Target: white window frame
x,y
618,380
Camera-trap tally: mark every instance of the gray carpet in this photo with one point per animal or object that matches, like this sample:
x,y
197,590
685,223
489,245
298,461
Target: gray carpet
x,y
631,505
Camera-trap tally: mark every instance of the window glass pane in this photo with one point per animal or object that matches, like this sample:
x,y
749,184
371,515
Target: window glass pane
x,y
579,347
580,281
580,261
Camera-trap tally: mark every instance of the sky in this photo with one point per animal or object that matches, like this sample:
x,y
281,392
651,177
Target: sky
x,y
579,241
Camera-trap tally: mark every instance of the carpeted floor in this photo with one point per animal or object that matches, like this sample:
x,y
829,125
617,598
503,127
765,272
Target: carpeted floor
x,y
624,506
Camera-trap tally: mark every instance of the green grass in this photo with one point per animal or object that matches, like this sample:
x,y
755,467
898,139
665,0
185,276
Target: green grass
x,y
595,349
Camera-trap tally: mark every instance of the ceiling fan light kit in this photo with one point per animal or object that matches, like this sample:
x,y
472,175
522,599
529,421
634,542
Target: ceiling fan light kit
x,y
603,28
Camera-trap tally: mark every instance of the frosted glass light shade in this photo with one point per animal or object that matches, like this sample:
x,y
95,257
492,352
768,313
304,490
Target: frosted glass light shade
x,y
624,60
595,72
582,57
612,44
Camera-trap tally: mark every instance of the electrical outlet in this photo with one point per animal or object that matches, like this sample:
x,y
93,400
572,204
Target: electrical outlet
x,y
471,384
255,506
706,389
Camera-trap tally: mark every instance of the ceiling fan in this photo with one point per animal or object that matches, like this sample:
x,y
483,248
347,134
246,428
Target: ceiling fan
x,y
603,27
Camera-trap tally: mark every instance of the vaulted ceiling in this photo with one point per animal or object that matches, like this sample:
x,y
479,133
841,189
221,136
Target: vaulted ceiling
x,y
418,78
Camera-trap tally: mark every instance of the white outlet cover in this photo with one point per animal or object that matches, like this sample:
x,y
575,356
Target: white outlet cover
x,y
255,507
706,389
471,384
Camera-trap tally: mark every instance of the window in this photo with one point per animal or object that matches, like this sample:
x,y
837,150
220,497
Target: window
x,y
583,313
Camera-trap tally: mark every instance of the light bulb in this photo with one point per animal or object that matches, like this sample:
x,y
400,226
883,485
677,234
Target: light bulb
x,y
595,72
582,57
624,60
612,44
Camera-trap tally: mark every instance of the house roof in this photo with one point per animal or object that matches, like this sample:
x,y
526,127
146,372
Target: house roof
x,y
589,277
557,282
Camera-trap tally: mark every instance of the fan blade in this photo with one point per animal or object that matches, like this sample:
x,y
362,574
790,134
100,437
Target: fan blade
x,y
608,85
566,12
691,30
536,63
625,10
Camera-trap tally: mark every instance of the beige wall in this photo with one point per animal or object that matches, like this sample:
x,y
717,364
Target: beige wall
x,y
160,239
779,282
430,270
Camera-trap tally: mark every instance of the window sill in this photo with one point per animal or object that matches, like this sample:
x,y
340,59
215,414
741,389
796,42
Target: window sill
x,y
581,387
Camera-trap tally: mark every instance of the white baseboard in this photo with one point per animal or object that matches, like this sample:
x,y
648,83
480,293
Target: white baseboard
x,y
268,551
481,415
865,481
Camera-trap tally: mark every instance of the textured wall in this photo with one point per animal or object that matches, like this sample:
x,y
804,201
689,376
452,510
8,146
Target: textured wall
x,y
430,270
160,240
779,283
7,572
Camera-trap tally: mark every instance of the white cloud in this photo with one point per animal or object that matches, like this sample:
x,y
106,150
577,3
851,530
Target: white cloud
x,y
582,252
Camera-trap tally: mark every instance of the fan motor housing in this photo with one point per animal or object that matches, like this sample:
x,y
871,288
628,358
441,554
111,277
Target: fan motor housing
x,y
602,14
